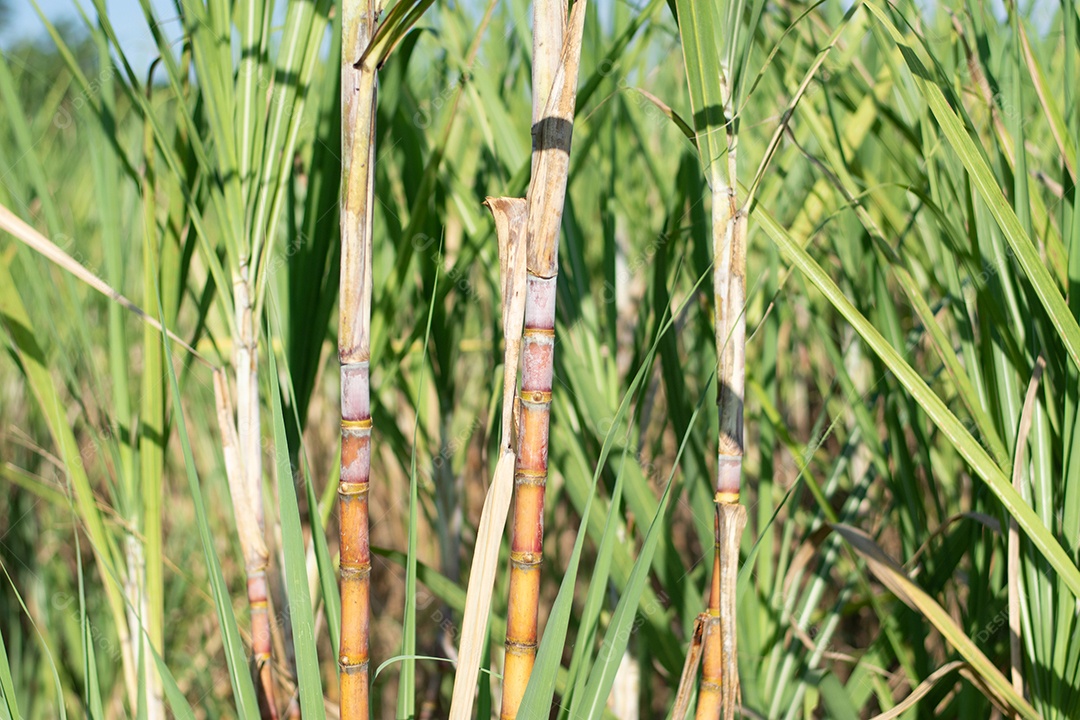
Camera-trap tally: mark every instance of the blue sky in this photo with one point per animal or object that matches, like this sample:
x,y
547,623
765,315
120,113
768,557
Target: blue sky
x,y
127,20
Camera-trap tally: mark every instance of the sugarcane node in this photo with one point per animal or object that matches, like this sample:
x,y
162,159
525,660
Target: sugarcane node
x,y
350,489
536,397
533,272
726,498
534,478
526,559
355,571
514,647
539,332
352,668
709,685
361,424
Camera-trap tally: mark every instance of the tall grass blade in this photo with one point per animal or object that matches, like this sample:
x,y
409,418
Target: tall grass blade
x,y
296,576
619,628
407,678
894,578
954,430
90,671
7,685
990,191
10,223
181,708
32,356
61,709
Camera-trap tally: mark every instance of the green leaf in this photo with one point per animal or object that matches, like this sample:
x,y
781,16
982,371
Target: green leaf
x,y
301,614
894,578
983,178
980,461
704,73
621,627
407,683
11,701
177,702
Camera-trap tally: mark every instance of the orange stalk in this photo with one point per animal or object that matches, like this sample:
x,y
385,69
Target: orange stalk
x,y
556,57
530,480
355,547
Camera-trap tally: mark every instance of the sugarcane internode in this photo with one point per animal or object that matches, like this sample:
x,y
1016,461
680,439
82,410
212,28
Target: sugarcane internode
x,y
260,622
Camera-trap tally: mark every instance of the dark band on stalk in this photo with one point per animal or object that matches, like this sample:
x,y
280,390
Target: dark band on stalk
x,y
530,481
355,545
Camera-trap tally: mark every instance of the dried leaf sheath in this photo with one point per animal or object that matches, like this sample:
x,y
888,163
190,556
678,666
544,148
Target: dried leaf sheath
x,y
510,218
354,346
690,668
509,214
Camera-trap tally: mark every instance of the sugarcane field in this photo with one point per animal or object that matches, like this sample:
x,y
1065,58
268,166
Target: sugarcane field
x,y
539,360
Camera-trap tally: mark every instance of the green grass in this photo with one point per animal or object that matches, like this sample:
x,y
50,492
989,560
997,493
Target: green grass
x,y
913,250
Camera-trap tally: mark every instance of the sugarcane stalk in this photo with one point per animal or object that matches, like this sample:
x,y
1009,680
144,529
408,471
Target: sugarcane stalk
x,y
247,501
556,57
354,351
719,691
245,486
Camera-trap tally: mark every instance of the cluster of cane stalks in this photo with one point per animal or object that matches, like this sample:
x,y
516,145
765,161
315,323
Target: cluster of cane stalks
x,y
528,236
528,232
921,199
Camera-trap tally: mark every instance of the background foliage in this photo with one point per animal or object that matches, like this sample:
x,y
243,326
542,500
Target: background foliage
x,y
914,250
